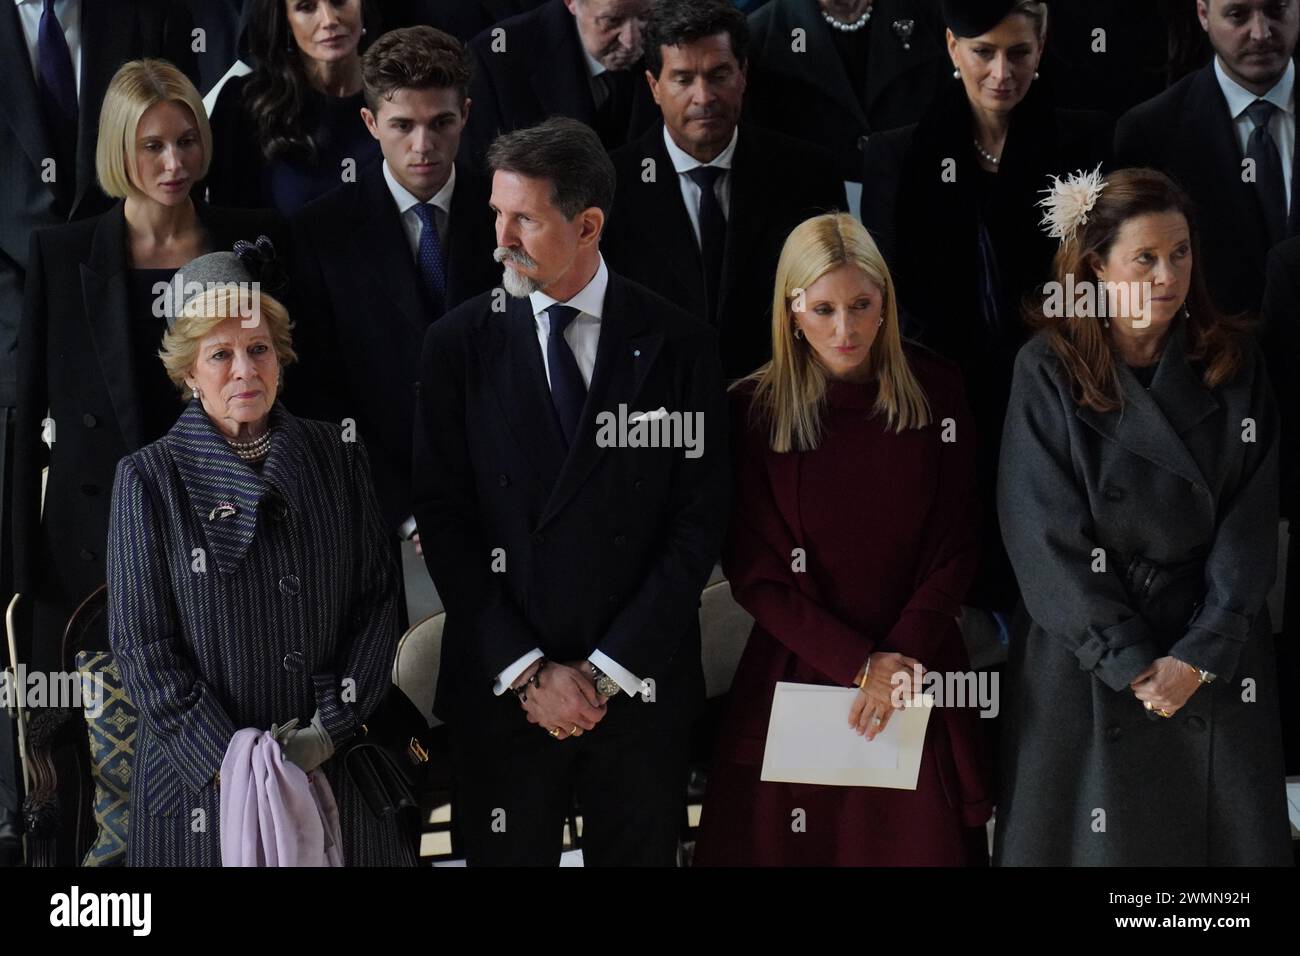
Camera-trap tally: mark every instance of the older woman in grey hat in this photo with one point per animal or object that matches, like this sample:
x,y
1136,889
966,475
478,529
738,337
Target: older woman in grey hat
x,y
250,583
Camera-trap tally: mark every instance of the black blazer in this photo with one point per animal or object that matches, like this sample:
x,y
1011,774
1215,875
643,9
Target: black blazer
x,y
809,95
463,19
76,361
776,183
1187,133
541,73
361,313
605,547
112,31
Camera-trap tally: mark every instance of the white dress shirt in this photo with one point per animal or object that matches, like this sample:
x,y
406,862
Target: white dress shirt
x,y
582,334
684,162
68,13
1282,125
406,204
412,225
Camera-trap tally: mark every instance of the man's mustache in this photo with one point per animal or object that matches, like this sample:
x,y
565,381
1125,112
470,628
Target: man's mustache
x,y
502,254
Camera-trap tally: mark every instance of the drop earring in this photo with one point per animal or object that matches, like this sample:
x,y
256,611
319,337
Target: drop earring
x,y
956,74
1035,74
197,394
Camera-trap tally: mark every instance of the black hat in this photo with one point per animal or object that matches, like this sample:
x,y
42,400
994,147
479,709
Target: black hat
x,y
972,18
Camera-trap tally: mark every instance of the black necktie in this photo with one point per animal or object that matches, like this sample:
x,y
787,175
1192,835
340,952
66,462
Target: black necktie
x,y
610,91
58,90
1270,184
568,390
713,231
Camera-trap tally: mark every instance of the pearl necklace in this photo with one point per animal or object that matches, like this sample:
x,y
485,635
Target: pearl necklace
x,y
853,27
986,154
254,450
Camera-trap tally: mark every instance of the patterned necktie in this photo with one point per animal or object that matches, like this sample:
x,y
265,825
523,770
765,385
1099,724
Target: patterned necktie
x,y
429,255
1270,184
568,390
713,231
57,83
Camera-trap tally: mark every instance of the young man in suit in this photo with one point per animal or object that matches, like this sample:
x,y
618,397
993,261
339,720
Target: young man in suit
x,y
56,61
378,260
704,203
1226,133
569,552
578,58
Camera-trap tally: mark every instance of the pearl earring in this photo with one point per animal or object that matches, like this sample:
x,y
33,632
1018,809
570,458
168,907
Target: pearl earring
x,y
196,393
956,74
1035,75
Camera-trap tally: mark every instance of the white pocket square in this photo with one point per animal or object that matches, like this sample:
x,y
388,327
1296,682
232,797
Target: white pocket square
x,y
658,413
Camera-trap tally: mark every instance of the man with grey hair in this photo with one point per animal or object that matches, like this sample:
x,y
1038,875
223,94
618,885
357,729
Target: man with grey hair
x,y
577,58
570,564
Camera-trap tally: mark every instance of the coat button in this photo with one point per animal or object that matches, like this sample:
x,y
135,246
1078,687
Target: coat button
x,y
293,661
89,420
638,485
1113,493
620,540
87,554
1113,732
290,585
89,488
503,480
277,509
1196,723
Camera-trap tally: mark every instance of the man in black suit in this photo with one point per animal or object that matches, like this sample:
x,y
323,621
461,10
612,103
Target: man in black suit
x,y
1226,133
704,205
569,545
378,260
577,58
55,64
836,86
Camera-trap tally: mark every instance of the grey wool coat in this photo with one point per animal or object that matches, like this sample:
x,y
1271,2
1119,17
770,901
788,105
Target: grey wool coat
x,y
1183,511
221,621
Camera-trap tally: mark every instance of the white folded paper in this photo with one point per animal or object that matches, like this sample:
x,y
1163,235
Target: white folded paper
x,y
809,740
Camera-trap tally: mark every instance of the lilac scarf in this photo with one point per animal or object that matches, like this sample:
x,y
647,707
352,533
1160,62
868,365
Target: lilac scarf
x,y
273,814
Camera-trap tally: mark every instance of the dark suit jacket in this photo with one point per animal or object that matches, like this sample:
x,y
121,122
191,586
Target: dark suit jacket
x,y
76,361
463,19
776,183
1187,133
606,547
541,73
112,31
361,313
809,95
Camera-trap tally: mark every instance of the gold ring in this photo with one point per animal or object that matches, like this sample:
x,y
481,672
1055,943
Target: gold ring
x,y
574,731
1163,713
1148,705
555,732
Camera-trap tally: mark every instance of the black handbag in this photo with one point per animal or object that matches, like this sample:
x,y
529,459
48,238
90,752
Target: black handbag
x,y
387,757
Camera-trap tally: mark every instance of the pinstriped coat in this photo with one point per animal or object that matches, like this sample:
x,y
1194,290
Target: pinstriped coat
x,y
220,623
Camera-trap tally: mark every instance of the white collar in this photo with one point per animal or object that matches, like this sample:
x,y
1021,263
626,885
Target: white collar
x,y
594,66
590,300
1239,98
405,200
685,162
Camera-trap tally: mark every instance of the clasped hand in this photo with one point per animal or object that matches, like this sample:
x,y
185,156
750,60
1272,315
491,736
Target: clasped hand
x,y
1166,684
891,679
565,699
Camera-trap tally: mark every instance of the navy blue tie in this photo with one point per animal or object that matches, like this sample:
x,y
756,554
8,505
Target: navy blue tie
x,y
58,89
1270,181
568,390
713,232
429,256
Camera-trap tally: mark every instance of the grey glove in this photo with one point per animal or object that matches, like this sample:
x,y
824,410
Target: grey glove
x,y
309,747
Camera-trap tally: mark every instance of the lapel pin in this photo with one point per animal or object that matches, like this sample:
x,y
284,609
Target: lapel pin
x,y
223,510
904,29
636,353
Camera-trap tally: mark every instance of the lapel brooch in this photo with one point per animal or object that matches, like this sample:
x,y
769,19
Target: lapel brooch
x,y
223,510
904,29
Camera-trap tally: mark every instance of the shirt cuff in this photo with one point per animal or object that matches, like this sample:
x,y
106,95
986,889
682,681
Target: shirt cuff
x,y
631,684
407,528
511,673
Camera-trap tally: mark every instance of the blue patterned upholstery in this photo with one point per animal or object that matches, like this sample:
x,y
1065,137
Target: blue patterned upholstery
x,y
112,750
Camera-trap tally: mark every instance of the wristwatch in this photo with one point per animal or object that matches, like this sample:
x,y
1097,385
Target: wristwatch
x,y
606,686
1203,675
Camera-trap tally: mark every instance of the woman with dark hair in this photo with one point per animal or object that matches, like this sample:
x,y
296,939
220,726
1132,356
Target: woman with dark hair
x,y
290,130
956,194
1138,496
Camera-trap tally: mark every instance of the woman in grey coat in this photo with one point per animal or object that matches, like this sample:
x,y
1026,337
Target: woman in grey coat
x,y
1138,498
249,579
